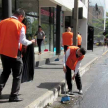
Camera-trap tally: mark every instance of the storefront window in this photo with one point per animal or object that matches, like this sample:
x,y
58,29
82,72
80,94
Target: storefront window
x,y
47,25
13,5
31,26
62,19
30,6
45,15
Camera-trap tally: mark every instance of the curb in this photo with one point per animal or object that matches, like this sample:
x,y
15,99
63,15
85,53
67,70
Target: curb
x,y
50,96
105,53
46,61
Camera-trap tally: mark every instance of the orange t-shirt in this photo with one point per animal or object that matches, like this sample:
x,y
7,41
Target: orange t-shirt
x,y
67,38
10,29
72,59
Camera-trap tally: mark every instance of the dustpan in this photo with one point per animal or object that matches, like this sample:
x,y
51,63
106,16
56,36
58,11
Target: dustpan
x,y
57,59
66,97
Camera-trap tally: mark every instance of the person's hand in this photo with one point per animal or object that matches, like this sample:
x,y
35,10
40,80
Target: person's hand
x,y
33,40
64,69
44,37
73,77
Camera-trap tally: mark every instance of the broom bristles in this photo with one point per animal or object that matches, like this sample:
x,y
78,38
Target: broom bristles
x,y
46,50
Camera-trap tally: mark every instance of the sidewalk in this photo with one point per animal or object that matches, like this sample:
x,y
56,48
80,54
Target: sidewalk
x,y
46,78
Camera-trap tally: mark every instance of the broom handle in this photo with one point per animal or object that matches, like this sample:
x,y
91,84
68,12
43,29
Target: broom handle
x,y
65,74
44,43
65,84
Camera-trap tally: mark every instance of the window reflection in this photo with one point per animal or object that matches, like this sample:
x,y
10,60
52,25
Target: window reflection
x,y
30,6
31,26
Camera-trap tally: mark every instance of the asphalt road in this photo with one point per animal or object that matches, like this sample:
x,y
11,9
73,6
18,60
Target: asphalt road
x,y
95,88
95,83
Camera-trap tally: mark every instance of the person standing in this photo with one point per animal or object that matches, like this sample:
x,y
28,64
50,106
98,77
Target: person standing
x,y
40,37
79,40
67,39
12,37
72,61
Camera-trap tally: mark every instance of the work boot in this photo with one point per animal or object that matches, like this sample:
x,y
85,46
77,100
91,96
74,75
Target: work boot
x,y
15,99
0,94
80,92
70,92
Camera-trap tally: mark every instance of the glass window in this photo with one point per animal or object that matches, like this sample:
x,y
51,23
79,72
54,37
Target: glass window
x,y
13,5
0,3
62,18
45,14
31,26
30,6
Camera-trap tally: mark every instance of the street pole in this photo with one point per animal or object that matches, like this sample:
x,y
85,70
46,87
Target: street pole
x,y
75,22
104,21
104,14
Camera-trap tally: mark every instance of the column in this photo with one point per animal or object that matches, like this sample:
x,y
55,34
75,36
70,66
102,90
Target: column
x,y
6,8
58,29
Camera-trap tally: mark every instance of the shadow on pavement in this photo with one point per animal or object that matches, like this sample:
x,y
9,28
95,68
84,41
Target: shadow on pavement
x,y
4,101
48,85
53,64
4,98
47,68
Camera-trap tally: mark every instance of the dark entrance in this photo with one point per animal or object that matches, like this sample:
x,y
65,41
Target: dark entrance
x,y
90,38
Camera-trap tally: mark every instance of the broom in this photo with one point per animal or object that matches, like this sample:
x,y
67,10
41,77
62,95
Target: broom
x,y
45,47
65,98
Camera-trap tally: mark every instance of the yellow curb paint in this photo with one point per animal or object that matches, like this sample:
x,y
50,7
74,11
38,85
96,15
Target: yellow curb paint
x,y
105,53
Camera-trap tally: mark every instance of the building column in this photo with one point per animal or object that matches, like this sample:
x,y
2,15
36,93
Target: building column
x,y
50,29
6,8
39,15
58,29
83,30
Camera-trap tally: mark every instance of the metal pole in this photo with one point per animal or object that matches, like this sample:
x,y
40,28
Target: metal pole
x,y
104,14
6,8
50,29
75,22
58,29
104,22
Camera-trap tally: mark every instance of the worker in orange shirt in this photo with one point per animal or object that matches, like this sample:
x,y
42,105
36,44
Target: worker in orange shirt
x,y
72,61
67,39
79,40
12,37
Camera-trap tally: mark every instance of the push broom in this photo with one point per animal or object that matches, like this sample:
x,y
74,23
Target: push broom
x,y
66,97
45,50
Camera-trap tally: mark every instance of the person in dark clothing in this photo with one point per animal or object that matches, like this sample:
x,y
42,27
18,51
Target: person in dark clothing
x,y
10,49
79,40
67,39
40,37
72,61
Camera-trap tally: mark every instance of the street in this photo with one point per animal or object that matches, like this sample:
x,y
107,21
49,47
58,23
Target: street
x,y
95,88
95,83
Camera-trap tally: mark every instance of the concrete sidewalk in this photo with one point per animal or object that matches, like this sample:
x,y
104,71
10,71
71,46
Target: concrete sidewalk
x,y
41,90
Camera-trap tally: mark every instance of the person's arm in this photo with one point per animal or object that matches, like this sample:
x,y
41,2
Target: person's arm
x,y
43,34
36,33
65,59
81,39
62,41
76,69
23,39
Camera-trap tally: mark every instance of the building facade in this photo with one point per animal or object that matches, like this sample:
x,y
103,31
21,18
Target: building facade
x,y
53,15
96,18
